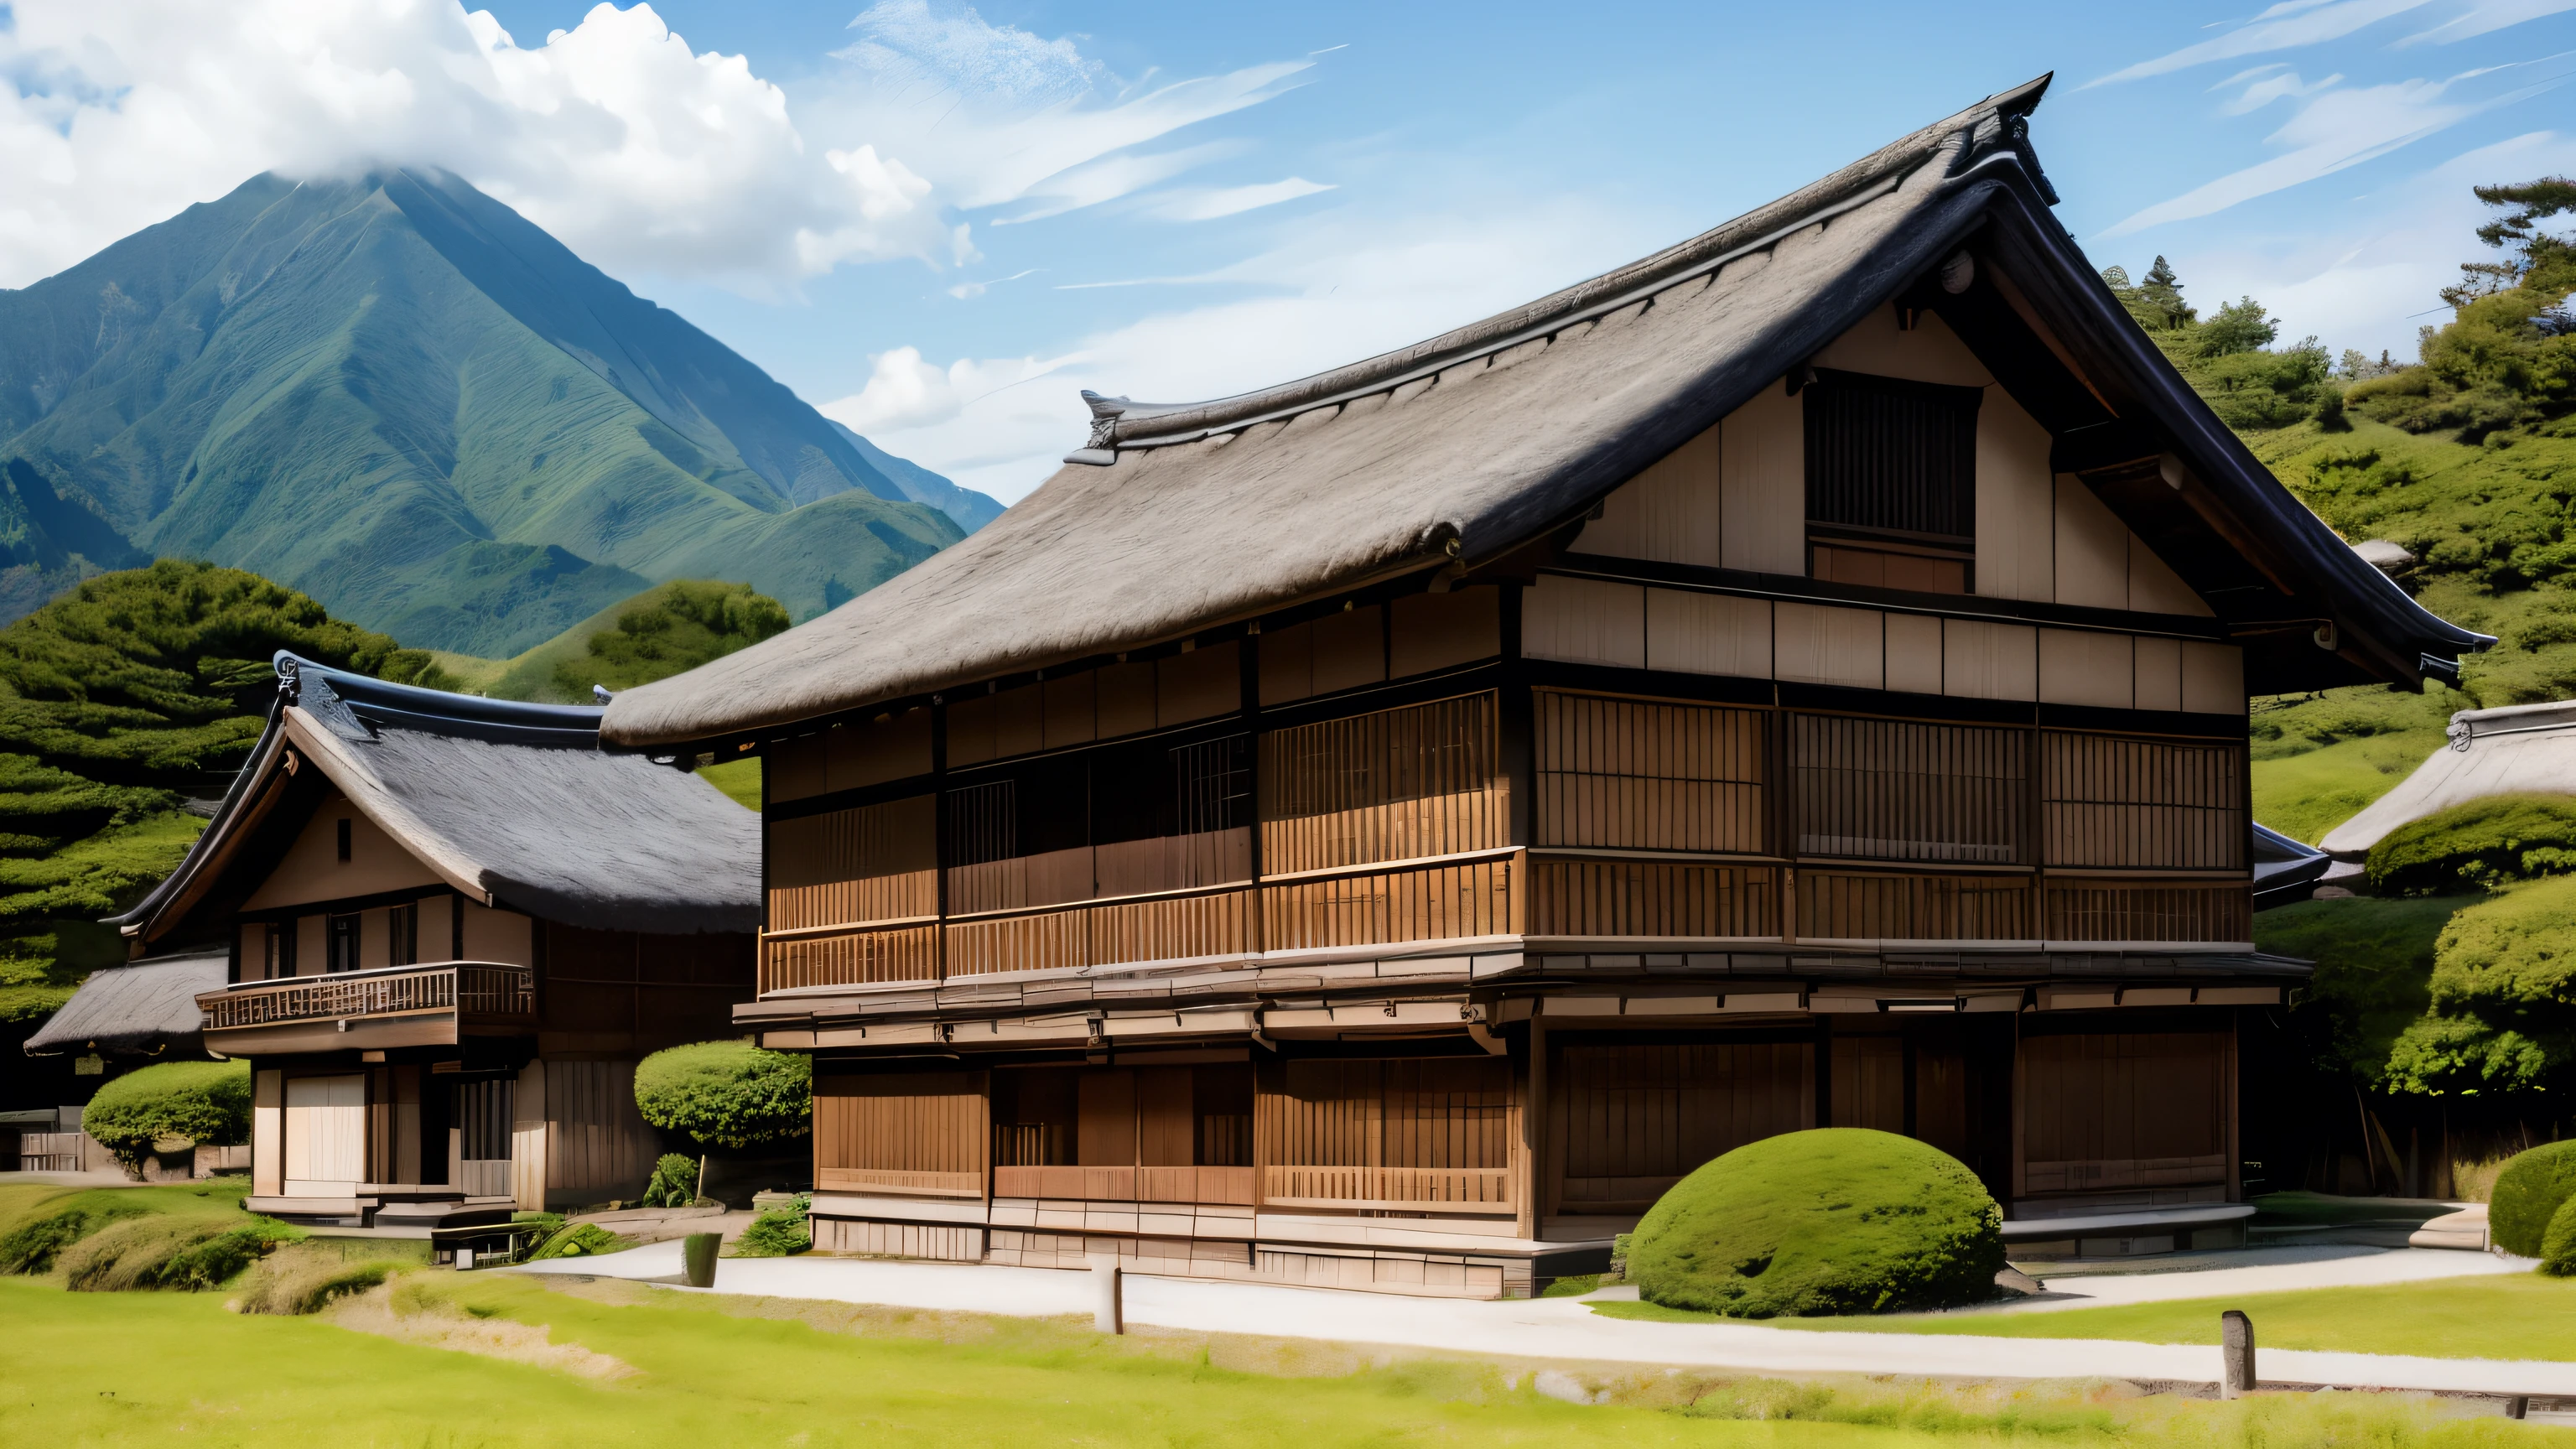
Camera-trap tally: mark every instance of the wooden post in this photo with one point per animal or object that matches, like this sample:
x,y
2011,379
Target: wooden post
x,y
2235,1355
1108,1313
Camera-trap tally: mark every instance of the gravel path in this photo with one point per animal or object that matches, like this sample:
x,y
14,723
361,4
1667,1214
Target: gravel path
x,y
1565,1329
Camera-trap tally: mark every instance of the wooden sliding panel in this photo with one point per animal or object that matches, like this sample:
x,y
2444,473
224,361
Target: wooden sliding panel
x,y
1048,941
1422,903
2149,910
1423,1135
1652,898
916,1134
2103,1111
1838,905
2143,804
1894,790
908,953
849,867
1623,773
1635,1119
1400,784
1869,1082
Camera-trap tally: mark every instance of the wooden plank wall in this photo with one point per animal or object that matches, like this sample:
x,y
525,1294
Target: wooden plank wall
x,y
920,1133
1399,784
1390,1133
2125,1110
1616,772
1630,1120
598,1141
1477,898
1838,905
2143,804
1895,790
851,867
2156,910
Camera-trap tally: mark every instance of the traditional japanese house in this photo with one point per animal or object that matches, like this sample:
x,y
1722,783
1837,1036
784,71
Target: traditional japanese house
x,y
453,926
1385,829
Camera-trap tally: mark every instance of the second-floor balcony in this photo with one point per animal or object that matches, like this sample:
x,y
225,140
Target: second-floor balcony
x,y
420,1005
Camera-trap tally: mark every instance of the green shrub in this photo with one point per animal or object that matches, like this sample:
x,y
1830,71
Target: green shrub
x,y
202,1101
161,1251
2502,1001
2528,1194
780,1232
34,1247
727,1093
2481,843
674,1184
2558,1245
1834,1220
581,1240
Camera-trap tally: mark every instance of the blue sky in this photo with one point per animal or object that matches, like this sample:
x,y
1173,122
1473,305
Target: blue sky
x,y
937,222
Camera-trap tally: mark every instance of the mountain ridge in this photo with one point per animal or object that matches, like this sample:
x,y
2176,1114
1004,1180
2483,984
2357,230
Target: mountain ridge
x,y
402,397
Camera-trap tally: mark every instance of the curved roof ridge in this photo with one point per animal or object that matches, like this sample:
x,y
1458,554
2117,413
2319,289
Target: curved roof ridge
x,y
1122,423
426,708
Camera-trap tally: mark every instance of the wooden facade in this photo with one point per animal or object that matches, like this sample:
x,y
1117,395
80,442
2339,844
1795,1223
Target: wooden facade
x,y
1386,829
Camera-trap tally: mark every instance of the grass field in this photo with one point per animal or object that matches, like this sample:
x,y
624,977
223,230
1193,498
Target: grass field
x,y
496,1360
2518,1315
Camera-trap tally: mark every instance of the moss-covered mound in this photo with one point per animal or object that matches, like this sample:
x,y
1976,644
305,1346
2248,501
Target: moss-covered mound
x,y
1836,1220
2528,1193
2479,843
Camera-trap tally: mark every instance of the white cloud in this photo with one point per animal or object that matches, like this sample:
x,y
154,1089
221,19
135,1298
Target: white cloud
x,y
994,115
2283,27
2489,18
614,136
2262,88
2369,283
639,154
2333,131
1209,203
1343,288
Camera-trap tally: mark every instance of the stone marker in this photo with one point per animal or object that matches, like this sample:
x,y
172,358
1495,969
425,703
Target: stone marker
x,y
698,1259
1109,1309
2235,1355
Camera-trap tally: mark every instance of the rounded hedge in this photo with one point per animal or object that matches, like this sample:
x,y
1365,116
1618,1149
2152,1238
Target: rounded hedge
x,y
2528,1193
2558,1245
206,1102
727,1093
2483,842
1829,1221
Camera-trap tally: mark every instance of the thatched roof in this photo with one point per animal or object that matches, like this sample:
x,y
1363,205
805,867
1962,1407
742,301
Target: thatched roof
x,y
512,804
1179,518
141,1008
2511,750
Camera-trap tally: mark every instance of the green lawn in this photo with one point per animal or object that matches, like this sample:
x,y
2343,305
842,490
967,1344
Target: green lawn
x,y
619,1364
2517,1315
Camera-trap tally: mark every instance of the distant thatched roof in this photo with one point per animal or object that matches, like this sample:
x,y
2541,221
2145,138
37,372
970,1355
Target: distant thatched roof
x,y
512,804
2511,750
1178,518
141,1007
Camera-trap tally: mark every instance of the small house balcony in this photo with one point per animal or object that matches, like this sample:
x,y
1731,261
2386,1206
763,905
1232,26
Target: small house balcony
x,y
391,1006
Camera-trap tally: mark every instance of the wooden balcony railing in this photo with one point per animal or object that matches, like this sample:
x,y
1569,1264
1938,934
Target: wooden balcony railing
x,y
469,988
1230,1185
1486,1189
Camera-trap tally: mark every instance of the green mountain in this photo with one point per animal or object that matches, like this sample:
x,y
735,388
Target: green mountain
x,y
401,397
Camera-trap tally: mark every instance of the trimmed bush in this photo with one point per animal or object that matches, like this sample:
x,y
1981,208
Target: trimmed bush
x,y
206,1102
2528,1193
1830,1221
2480,843
309,1282
674,1184
2558,1245
727,1093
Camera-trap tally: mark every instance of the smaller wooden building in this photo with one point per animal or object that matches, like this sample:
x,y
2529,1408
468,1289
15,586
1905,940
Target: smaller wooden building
x,y
453,926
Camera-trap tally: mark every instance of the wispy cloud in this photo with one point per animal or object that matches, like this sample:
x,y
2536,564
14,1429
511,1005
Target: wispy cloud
x,y
1207,204
2269,83
2485,19
2340,129
2283,27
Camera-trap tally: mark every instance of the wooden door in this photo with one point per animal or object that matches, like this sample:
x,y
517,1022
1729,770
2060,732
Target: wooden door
x,y
326,1135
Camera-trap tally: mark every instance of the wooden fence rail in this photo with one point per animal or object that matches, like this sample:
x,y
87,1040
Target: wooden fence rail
x,y
475,988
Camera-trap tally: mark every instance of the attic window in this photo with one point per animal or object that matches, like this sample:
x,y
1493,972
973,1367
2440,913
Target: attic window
x,y
1891,482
